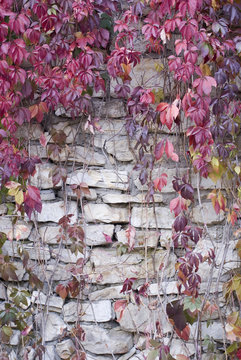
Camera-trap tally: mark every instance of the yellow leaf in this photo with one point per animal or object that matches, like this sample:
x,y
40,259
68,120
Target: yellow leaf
x,y
237,169
205,69
159,67
13,192
215,164
19,197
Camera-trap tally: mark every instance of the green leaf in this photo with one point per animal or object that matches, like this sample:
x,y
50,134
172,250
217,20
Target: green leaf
x,y
153,355
7,330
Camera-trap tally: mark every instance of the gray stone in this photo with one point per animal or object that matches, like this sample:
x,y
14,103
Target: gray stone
x,y
112,292
29,131
49,234
95,357
142,238
72,195
79,154
102,341
69,129
54,211
168,288
119,198
47,195
65,349
54,303
100,311
144,217
53,326
111,128
207,215
66,255
105,213
21,230
95,234
15,338
128,355
43,176
3,295
113,272
179,347
49,353
107,179
112,109
101,257
56,272
36,251
118,147
3,209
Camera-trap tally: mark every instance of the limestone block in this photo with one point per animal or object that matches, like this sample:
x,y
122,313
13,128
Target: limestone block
x,y
100,311
144,217
72,195
111,128
95,357
113,109
128,355
15,338
66,256
178,347
112,274
3,209
29,131
107,179
47,195
65,349
101,257
53,326
20,270
95,234
43,177
80,154
117,146
36,252
49,234
141,318
54,211
57,272
168,288
69,129
142,238
105,213
103,341
55,303
119,198
21,230
209,215
112,292
3,295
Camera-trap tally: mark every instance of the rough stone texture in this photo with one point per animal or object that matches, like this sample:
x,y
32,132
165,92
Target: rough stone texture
x,y
114,109
108,179
49,234
142,238
66,256
118,198
118,147
43,177
73,196
100,311
54,211
105,341
209,215
20,230
53,326
95,234
55,303
143,217
65,349
81,155
35,251
112,292
105,213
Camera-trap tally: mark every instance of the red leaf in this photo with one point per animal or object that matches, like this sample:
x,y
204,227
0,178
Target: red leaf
x,y
130,234
169,149
159,150
183,334
119,307
160,182
177,205
107,238
43,140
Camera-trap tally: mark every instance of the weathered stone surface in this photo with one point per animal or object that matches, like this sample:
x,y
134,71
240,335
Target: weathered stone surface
x,y
114,272
53,326
112,109
3,295
142,238
95,234
80,154
112,292
20,230
111,128
105,213
47,195
43,177
119,198
29,131
3,209
49,234
69,130
128,355
118,147
53,211
144,217
103,341
209,215
66,255
65,349
141,318
108,179
55,303
36,252
56,272
95,357
100,311
165,288
72,195
15,338
101,257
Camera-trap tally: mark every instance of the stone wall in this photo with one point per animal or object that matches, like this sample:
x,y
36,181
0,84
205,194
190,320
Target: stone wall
x,y
117,199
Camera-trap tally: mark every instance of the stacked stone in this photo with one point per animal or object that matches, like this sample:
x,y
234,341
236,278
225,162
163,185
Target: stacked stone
x,y
116,199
